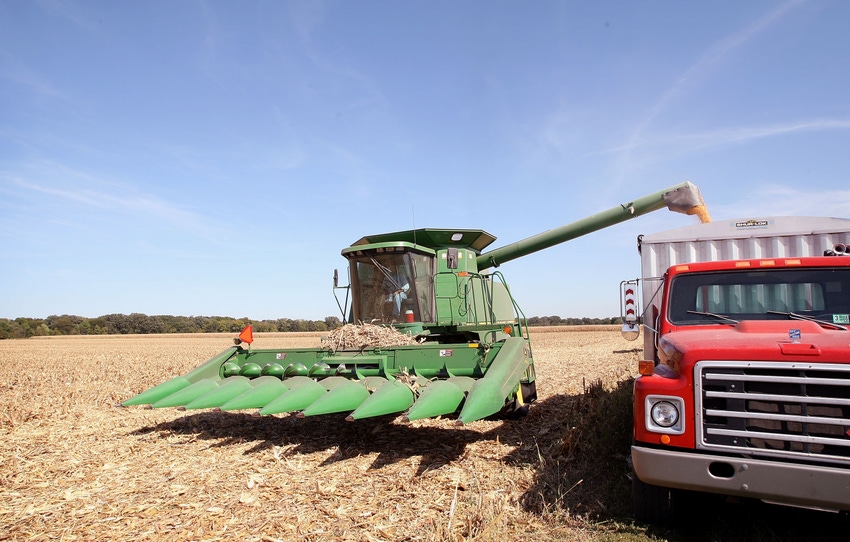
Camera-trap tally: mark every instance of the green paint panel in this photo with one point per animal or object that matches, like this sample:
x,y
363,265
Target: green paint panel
x,y
372,383
294,382
465,383
212,367
394,396
439,398
231,387
187,394
489,394
263,391
484,399
331,382
344,397
298,397
158,392
251,370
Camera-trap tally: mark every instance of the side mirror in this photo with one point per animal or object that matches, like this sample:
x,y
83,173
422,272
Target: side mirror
x,y
336,278
630,331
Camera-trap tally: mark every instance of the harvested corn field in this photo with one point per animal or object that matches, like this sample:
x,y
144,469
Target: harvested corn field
x,y
75,467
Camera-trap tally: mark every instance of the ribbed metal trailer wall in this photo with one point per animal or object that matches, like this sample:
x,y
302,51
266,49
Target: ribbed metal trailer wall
x,y
741,239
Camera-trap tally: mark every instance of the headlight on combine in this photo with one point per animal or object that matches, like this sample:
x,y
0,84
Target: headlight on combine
x,y
665,414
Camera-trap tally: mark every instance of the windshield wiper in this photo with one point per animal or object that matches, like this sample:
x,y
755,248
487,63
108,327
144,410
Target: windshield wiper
x,y
795,316
726,319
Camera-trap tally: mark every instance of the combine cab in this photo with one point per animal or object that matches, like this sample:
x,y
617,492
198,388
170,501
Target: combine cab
x,y
464,345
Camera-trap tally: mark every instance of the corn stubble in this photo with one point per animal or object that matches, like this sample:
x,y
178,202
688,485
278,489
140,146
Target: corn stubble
x,y
73,466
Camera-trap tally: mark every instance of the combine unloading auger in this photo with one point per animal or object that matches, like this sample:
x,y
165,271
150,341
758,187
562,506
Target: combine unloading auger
x,y
468,350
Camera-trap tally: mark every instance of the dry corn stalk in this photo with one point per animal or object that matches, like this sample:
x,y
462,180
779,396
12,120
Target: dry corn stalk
x,y
365,335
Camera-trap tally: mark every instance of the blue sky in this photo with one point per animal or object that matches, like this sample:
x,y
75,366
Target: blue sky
x,y
213,158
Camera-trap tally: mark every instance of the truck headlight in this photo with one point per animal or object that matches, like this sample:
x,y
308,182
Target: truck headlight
x,y
665,414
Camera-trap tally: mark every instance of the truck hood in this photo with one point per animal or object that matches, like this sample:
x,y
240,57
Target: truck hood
x,y
760,340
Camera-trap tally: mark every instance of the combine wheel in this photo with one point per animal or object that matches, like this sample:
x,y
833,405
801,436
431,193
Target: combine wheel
x,y
517,409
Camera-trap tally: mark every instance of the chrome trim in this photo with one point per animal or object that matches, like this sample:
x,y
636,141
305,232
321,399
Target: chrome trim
x,y
737,418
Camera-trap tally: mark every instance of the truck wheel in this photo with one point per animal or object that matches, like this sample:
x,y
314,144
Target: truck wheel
x,y
650,503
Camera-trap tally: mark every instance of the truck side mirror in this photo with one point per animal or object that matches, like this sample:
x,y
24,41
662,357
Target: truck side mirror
x,y
630,331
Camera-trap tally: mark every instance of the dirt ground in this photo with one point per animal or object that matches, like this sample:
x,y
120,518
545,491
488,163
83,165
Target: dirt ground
x,y
73,466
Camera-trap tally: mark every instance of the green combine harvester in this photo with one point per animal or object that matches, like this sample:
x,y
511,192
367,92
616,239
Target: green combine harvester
x,y
471,355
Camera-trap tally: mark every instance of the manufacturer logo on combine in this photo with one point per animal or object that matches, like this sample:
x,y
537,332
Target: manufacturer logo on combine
x,y
446,353
280,355
752,224
794,334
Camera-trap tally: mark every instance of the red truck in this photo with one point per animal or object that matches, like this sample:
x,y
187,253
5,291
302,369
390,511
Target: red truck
x,y
744,389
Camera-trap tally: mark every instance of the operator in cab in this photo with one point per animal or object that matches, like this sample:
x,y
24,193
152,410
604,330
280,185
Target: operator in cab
x,y
398,285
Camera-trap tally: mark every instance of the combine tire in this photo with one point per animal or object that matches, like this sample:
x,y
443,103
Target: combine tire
x,y
515,409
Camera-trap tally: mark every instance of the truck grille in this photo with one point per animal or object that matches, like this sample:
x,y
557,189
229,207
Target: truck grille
x,y
774,409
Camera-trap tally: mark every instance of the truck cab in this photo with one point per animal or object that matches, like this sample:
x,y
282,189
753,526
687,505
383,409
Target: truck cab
x,y
745,385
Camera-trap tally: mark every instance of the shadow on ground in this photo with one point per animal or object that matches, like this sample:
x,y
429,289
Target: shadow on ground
x,y
391,442
578,446
437,445
584,471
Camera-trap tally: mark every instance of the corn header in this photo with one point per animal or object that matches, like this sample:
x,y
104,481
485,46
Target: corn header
x,y
470,353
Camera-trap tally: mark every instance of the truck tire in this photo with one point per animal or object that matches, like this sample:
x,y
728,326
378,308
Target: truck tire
x,y
650,503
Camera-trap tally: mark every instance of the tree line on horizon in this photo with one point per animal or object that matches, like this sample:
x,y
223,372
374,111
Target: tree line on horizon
x,y
142,324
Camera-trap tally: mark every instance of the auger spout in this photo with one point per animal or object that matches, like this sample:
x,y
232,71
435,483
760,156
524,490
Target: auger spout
x,y
681,198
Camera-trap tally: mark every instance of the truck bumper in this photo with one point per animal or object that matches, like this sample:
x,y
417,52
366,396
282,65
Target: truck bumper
x,y
785,483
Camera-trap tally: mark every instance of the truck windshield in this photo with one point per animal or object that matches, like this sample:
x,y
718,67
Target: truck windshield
x,y
718,297
387,285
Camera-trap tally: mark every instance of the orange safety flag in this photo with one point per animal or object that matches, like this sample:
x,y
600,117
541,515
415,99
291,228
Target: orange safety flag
x,y
247,335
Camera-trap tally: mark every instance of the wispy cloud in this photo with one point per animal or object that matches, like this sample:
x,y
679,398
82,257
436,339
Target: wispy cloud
x,y
714,56
71,11
88,191
708,61
744,134
34,83
786,200
674,144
